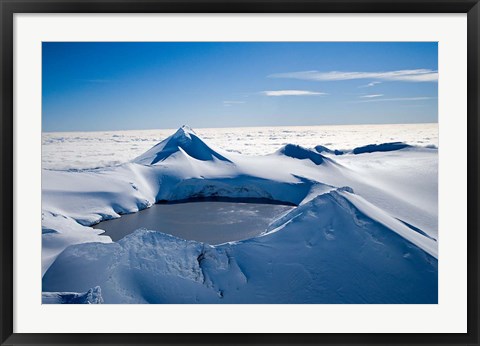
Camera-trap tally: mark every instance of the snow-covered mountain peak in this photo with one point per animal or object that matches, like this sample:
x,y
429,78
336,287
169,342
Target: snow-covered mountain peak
x,y
184,140
184,132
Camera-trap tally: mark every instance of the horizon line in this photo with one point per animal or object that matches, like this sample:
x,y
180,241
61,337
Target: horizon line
x,y
230,127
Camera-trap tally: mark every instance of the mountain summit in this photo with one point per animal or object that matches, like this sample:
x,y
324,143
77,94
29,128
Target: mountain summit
x,y
184,140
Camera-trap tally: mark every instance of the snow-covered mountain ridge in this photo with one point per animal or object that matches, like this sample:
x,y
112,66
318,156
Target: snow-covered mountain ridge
x,y
354,237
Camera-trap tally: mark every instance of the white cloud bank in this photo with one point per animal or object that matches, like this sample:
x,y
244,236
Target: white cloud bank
x,y
291,93
418,75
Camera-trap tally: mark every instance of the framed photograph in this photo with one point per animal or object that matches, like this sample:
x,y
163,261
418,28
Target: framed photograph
x,y
239,172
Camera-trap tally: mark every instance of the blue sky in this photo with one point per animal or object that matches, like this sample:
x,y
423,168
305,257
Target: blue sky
x,y
122,86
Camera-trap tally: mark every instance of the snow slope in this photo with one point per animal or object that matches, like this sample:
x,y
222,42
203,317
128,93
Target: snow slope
x,y
338,246
92,296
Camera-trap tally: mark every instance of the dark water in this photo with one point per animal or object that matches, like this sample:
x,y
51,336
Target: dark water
x,y
209,222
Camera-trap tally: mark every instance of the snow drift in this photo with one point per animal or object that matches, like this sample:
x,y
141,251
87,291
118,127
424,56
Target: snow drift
x,y
337,246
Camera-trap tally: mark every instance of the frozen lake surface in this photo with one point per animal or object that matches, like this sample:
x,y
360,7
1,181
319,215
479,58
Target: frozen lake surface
x,y
209,222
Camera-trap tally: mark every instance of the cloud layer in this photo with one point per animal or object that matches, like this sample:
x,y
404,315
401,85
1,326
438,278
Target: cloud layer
x,y
418,75
291,93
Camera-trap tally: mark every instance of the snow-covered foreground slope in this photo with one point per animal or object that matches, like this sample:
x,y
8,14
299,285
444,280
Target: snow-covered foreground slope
x,y
364,230
92,296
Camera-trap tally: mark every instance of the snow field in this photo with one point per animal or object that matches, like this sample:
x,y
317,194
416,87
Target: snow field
x,y
364,230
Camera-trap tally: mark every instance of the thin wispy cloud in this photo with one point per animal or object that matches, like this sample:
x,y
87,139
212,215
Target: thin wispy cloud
x,y
291,93
421,98
370,96
232,102
369,85
418,75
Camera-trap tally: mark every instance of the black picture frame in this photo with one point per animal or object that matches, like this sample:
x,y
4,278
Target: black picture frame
x,y
7,175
